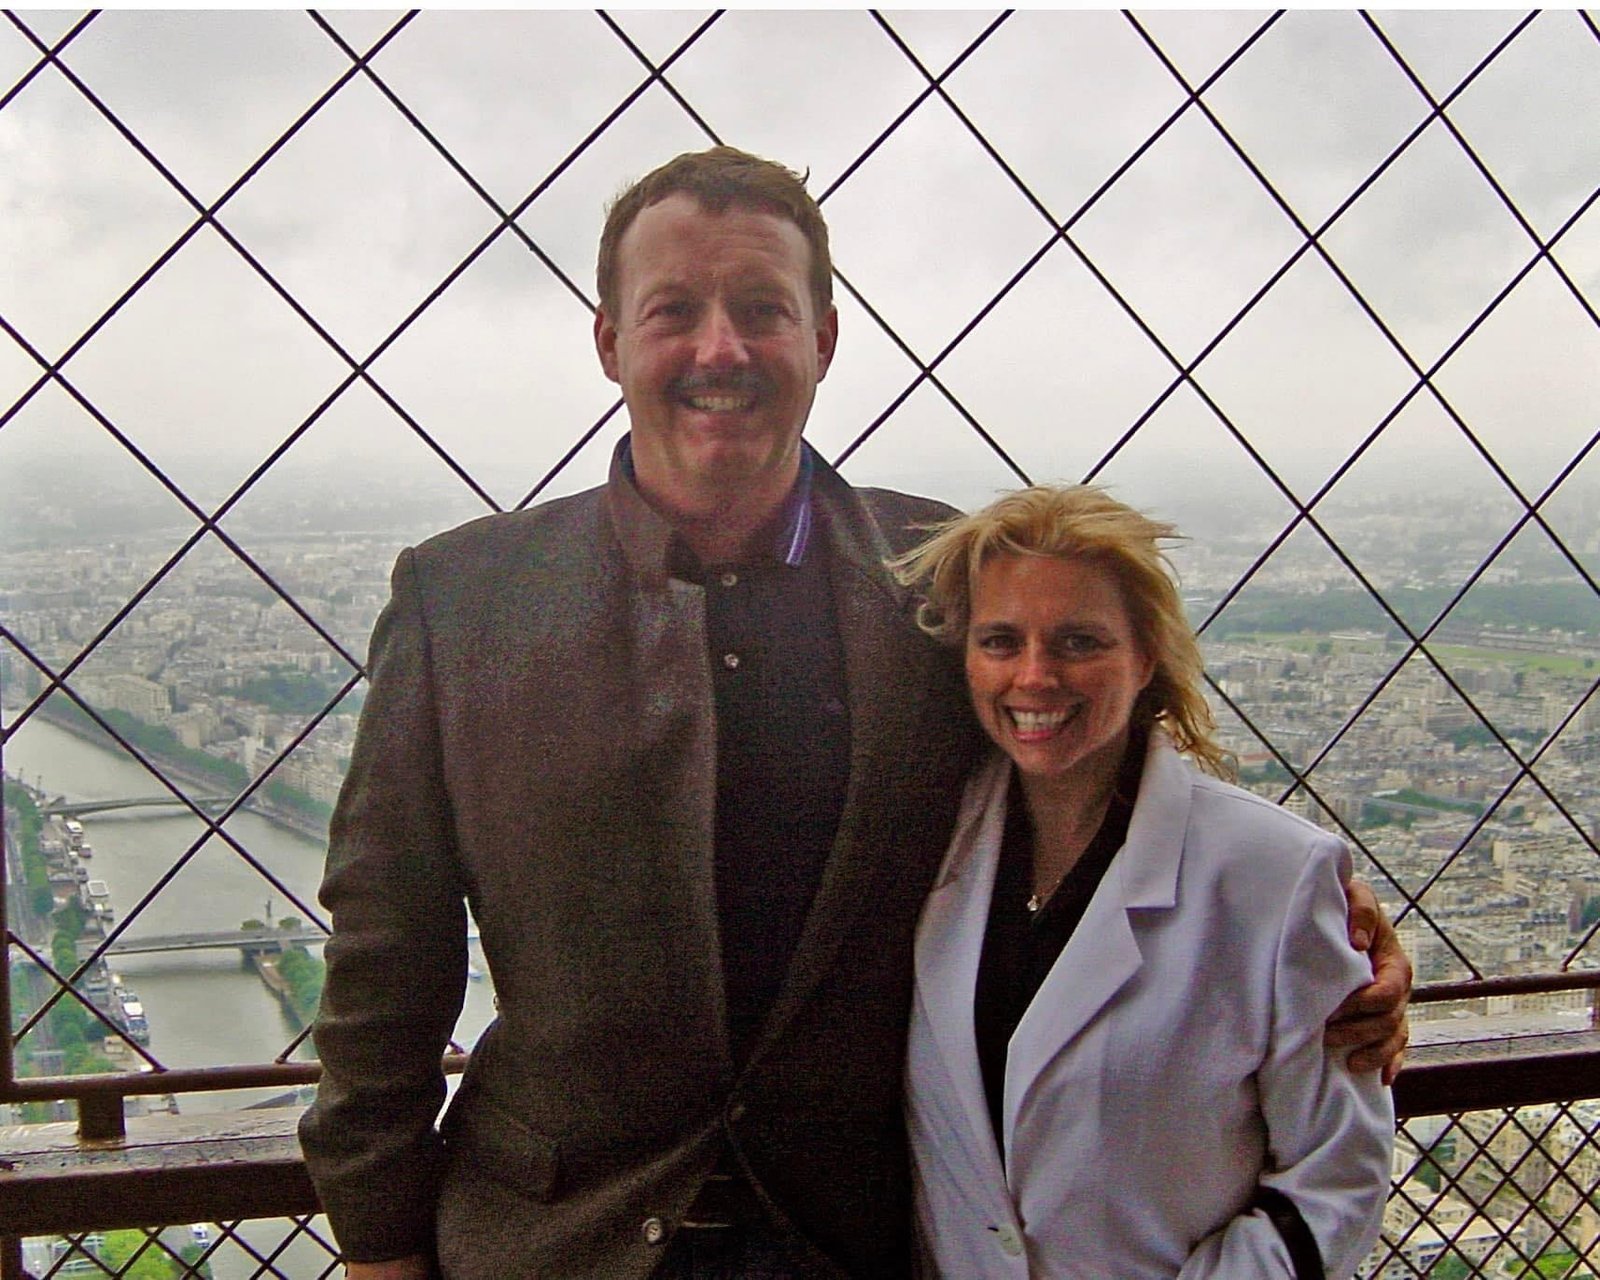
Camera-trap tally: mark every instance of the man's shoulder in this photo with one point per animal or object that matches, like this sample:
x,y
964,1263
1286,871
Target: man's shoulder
x,y
904,519
503,537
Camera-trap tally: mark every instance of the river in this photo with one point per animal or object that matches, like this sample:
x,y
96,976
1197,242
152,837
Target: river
x,y
203,1008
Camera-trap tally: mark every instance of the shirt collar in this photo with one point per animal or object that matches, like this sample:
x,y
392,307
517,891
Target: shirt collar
x,y
791,526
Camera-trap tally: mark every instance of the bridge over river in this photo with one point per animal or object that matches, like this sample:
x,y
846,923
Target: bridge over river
x,y
246,940
77,808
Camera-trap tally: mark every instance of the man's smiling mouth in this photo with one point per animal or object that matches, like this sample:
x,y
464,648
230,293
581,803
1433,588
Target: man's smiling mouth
x,y
721,402
725,392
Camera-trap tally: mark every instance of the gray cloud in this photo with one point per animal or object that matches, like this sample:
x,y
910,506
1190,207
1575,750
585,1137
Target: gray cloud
x,y
360,219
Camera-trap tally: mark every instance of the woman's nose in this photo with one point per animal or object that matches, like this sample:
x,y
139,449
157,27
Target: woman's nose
x,y
1035,668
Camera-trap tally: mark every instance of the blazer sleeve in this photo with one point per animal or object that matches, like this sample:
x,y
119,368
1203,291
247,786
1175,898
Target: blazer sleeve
x,y
396,961
1330,1132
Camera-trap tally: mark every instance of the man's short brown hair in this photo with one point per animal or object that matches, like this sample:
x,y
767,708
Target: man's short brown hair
x,y
719,179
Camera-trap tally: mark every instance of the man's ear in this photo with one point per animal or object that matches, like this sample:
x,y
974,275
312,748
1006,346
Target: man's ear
x,y
605,343
827,340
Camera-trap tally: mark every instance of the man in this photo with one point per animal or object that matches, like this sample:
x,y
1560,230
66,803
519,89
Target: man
x,y
679,743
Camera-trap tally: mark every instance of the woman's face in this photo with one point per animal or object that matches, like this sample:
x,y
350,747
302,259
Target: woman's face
x,y
1053,664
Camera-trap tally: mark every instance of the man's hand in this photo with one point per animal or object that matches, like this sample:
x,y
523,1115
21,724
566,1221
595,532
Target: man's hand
x,y
1372,1020
414,1267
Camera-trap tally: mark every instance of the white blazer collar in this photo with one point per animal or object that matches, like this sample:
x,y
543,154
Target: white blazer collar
x,y
1155,830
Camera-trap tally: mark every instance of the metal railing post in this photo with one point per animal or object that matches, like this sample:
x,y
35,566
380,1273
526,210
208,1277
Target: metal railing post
x,y
100,1118
11,1259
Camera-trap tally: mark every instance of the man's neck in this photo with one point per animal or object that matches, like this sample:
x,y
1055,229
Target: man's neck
x,y
719,526
723,537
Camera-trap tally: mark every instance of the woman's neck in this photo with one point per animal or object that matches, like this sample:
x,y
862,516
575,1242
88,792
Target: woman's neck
x,y
1066,813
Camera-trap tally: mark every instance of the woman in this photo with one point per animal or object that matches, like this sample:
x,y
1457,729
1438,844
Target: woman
x,y
1116,1067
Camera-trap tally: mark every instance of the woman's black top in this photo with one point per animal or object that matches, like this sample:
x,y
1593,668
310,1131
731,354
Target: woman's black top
x,y
1020,946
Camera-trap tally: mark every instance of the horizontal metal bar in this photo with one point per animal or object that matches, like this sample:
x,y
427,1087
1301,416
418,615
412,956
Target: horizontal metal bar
x,y
53,1088
223,1166
1524,984
270,1074
213,1168
263,1075
1484,1075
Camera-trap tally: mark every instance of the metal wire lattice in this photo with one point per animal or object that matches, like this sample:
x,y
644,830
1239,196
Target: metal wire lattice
x,y
660,88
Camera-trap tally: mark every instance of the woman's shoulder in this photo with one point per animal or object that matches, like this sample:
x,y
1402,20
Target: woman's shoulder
x,y
1254,827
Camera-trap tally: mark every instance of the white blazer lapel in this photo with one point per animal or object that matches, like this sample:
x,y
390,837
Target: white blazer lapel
x,y
1104,951
1101,957
950,943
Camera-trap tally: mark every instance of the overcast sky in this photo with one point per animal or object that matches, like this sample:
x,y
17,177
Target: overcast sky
x,y
360,219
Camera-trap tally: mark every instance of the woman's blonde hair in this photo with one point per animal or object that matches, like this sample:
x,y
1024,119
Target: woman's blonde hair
x,y
1069,522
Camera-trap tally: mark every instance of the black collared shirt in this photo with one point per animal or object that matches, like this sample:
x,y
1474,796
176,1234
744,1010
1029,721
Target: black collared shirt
x,y
783,764
783,743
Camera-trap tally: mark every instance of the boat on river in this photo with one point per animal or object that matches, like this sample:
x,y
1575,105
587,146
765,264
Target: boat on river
x,y
131,1012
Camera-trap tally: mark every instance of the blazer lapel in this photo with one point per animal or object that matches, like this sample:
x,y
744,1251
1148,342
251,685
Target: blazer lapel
x,y
950,944
1093,967
890,668
1104,951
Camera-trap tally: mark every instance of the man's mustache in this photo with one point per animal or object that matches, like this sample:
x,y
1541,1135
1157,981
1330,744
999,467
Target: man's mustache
x,y
733,381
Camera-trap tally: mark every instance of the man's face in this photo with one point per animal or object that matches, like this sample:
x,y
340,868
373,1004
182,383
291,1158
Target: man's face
x,y
718,349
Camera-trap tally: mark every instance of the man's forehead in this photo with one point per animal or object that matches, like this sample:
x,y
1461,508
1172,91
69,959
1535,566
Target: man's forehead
x,y
687,209
680,218
718,206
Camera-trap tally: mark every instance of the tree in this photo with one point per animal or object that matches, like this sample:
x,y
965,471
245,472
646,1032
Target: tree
x,y
153,1264
1450,1267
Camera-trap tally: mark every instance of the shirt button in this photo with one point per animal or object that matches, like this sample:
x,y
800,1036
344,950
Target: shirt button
x,y
730,579
1010,1240
736,1111
731,661
654,1231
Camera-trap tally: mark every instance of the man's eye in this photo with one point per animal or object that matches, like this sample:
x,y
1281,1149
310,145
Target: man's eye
x,y
997,645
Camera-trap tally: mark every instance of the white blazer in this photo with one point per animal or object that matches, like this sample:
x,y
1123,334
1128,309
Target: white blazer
x,y
1171,1062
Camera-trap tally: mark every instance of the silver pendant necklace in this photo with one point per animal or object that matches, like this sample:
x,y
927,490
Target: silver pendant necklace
x,y
1036,901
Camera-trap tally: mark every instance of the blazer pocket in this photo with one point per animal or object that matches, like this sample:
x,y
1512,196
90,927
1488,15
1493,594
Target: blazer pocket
x,y
496,1143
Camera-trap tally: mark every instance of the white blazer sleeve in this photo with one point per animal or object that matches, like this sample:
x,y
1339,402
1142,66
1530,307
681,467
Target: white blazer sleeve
x,y
1329,1132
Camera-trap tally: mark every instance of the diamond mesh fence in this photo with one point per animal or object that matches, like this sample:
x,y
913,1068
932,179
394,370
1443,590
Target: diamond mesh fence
x,y
283,293
1494,1193
288,1249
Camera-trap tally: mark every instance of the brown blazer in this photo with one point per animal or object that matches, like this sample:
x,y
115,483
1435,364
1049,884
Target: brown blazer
x,y
538,739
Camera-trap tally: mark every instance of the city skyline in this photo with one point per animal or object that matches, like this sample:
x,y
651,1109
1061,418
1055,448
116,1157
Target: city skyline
x,y
231,676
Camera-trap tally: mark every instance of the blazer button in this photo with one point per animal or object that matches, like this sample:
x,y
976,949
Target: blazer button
x,y
654,1231
1010,1240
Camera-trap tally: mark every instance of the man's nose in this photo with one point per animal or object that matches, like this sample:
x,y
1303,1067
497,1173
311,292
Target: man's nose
x,y
720,342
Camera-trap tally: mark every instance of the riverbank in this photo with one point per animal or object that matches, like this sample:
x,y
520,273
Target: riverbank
x,y
295,976
74,723
204,1007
